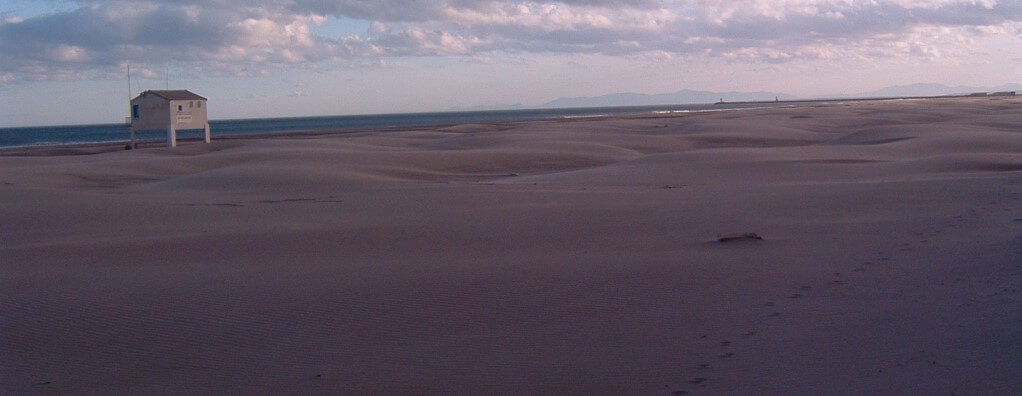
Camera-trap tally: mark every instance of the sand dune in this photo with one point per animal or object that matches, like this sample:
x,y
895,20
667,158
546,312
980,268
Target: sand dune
x,y
550,257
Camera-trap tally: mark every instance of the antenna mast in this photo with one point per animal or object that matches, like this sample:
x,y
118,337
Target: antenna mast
x,y
129,82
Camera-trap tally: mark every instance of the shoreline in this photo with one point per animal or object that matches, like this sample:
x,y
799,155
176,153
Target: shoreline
x,y
93,147
103,147
90,148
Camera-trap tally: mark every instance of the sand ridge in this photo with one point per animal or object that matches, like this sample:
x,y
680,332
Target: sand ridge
x,y
564,257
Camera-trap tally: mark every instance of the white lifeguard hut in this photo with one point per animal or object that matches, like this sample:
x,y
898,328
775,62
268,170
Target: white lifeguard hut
x,y
170,110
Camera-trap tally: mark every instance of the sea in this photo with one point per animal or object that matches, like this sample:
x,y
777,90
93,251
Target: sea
x,y
118,133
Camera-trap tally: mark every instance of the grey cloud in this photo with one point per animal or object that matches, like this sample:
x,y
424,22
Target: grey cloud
x,y
618,3
856,22
144,33
216,34
94,30
585,40
433,10
859,24
382,10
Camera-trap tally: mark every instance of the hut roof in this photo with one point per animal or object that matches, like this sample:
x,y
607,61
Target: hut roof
x,y
175,94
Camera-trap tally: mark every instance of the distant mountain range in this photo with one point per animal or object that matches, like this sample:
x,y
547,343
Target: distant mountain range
x,y
691,96
680,97
935,90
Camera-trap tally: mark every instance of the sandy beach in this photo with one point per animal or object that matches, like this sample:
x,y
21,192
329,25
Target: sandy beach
x,y
550,257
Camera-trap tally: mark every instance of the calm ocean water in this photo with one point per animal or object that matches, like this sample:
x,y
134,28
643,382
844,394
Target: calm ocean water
x,y
116,133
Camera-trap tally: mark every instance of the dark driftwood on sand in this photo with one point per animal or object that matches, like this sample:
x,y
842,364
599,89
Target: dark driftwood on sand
x,y
747,236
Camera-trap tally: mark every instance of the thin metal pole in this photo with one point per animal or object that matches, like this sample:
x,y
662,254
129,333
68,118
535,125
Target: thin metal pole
x,y
131,127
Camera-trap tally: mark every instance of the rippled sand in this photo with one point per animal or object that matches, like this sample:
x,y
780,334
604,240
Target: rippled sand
x,y
563,257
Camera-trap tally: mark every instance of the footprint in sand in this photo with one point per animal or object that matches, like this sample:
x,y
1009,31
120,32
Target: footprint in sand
x,y
796,295
726,355
697,380
725,343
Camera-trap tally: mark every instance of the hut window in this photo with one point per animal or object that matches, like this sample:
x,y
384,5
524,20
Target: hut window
x,y
191,104
180,108
199,104
134,111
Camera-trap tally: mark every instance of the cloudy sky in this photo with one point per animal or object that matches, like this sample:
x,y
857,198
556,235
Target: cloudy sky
x,y
64,62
